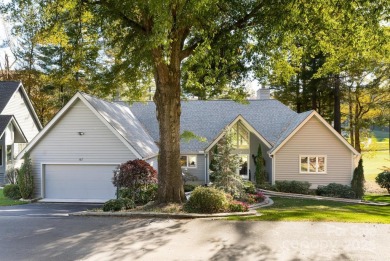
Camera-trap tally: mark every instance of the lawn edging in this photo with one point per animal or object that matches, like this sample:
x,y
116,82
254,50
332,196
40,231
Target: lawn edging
x,y
345,200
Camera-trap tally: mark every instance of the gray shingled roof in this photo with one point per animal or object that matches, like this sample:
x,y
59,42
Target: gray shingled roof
x,y
123,120
4,121
208,118
7,89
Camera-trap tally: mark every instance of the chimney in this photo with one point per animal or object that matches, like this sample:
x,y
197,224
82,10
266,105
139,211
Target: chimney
x,y
263,94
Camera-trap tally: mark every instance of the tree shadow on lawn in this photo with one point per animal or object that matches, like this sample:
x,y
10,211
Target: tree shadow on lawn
x,y
128,239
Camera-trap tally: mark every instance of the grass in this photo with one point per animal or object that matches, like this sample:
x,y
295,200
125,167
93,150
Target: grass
x,y
373,164
377,198
292,209
9,202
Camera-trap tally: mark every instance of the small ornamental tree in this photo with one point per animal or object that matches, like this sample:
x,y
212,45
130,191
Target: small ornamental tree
x,y
25,178
138,177
383,180
357,183
225,176
260,173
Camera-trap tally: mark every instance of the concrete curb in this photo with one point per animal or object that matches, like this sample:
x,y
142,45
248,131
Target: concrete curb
x,y
344,200
162,215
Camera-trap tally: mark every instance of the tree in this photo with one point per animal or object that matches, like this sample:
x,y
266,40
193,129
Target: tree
x,y
357,183
225,174
202,40
25,179
260,173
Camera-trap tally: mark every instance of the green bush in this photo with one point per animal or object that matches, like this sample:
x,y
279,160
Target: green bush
x,y
207,200
238,206
293,186
357,183
189,187
142,196
12,191
267,186
336,190
249,187
113,205
383,180
25,178
127,203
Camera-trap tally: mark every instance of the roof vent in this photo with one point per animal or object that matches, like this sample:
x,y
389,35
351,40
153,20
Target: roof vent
x,y
263,94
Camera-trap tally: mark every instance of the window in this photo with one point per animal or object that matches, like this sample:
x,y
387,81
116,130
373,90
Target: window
x,y
240,136
9,155
312,164
188,161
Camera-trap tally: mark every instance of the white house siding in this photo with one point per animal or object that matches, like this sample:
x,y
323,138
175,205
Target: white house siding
x,y
314,139
17,106
63,144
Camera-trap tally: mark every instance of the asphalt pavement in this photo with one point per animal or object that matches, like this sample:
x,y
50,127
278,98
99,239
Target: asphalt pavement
x,y
46,232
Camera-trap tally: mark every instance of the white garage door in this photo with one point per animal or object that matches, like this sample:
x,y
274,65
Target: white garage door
x,y
79,182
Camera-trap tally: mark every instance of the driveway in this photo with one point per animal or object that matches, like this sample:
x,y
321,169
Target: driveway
x,y
45,232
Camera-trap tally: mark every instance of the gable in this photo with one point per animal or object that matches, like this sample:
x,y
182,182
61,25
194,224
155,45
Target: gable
x,y
78,135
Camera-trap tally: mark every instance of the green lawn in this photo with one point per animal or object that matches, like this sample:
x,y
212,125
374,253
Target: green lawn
x,y
291,209
377,198
9,202
374,163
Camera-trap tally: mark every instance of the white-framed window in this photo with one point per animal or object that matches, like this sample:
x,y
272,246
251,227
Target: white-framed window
x,y
240,136
312,164
188,161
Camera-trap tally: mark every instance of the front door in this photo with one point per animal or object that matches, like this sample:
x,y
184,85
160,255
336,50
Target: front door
x,y
243,168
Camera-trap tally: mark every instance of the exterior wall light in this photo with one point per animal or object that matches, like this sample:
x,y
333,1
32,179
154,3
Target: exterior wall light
x,y
81,133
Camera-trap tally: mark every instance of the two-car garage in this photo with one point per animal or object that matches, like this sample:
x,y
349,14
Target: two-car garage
x,y
78,182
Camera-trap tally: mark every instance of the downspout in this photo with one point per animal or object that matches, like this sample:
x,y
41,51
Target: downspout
x,y
205,168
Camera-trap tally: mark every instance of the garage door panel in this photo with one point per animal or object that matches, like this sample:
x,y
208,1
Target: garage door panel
x,y
79,181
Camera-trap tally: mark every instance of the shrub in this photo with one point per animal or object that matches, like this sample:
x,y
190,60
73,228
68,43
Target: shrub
x,y
189,187
238,206
383,180
127,203
336,190
357,183
25,178
12,191
11,175
113,205
260,172
249,187
253,198
207,200
137,180
293,186
267,186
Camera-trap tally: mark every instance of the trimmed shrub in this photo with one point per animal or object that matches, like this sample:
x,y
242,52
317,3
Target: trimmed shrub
x,y
383,180
136,180
189,187
12,191
253,198
336,190
25,178
293,186
267,186
249,187
207,200
113,205
357,183
238,206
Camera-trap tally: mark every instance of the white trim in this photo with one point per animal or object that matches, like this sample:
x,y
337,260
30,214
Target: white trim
x,y
273,171
314,113
42,174
1,154
196,160
230,125
31,107
63,111
308,156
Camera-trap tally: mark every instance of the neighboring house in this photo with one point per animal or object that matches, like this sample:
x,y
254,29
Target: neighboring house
x,y
75,154
19,124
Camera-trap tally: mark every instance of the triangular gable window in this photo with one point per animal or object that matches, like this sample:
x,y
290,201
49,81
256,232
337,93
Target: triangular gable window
x,y
240,136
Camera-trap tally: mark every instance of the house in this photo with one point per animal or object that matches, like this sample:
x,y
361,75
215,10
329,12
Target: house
x,y
75,154
19,124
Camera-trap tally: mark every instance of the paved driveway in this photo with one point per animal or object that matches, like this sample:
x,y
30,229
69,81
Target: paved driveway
x,y
45,232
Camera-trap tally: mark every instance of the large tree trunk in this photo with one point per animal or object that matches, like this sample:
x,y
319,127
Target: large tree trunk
x,y
167,100
351,120
337,112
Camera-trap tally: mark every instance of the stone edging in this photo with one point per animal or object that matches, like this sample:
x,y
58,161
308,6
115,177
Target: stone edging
x,y
345,200
252,212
